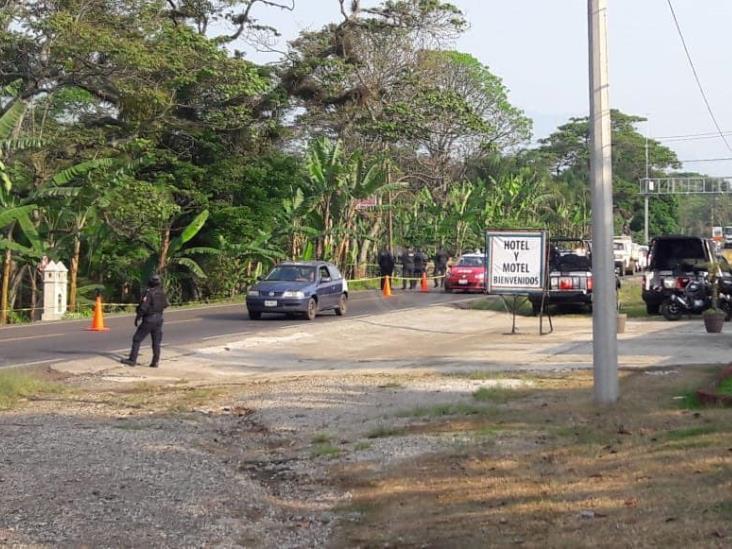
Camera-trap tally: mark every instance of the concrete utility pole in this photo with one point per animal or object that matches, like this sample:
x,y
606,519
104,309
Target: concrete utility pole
x,y
604,317
646,197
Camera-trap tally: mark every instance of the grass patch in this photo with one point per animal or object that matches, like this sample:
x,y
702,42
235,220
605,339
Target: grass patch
x,y
166,398
689,432
320,438
15,386
361,446
384,431
690,400
725,388
442,410
581,434
495,303
723,508
629,296
391,385
366,285
497,395
325,450
487,431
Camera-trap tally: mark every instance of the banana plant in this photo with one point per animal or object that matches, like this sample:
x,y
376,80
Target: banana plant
x,y
175,252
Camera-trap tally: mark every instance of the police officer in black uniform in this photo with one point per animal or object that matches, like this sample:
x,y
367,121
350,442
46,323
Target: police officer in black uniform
x,y
420,266
386,265
149,320
441,258
408,268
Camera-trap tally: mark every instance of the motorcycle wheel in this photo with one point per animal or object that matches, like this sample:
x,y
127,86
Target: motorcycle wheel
x,y
671,311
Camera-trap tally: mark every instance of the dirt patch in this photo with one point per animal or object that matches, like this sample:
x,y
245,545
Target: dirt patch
x,y
423,460
551,470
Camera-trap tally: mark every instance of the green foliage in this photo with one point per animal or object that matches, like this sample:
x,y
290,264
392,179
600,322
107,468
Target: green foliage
x,y
150,146
567,152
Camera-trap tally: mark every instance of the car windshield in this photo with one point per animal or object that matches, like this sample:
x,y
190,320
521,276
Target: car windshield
x,y
728,231
292,273
684,254
471,261
619,246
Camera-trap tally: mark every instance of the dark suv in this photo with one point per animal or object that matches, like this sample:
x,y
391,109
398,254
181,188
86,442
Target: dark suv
x,y
674,259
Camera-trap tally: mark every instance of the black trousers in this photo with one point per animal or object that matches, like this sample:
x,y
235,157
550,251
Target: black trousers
x,y
383,273
407,272
154,327
440,270
416,274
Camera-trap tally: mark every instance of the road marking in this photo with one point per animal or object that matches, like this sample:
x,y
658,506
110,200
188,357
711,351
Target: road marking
x,y
35,363
348,317
30,337
169,322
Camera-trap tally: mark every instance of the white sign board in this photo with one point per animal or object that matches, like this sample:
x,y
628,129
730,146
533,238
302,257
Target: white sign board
x,y
516,261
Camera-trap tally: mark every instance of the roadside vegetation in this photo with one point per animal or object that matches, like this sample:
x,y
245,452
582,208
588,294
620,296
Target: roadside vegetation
x,y
132,139
16,387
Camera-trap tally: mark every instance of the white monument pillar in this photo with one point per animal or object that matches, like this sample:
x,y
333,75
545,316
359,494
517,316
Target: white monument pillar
x,y
55,291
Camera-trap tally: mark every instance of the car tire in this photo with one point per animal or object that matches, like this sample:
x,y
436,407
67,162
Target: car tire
x,y
652,308
312,311
342,305
671,311
536,308
255,315
448,290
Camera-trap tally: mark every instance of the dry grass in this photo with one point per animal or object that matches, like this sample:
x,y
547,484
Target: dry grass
x,y
15,387
165,398
562,473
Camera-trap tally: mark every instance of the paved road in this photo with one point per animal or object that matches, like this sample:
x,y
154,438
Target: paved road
x,y
69,340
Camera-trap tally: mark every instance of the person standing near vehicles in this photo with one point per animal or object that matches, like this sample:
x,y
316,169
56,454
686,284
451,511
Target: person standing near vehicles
x,y
386,265
149,320
441,259
407,267
420,264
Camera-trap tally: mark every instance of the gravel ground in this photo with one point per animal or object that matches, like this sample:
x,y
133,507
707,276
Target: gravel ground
x,y
244,471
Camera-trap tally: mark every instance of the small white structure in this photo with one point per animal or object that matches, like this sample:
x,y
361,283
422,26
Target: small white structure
x,y
55,291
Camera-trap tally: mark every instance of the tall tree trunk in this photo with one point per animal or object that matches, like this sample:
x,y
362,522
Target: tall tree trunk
x,y
164,250
16,279
363,255
74,272
32,274
6,287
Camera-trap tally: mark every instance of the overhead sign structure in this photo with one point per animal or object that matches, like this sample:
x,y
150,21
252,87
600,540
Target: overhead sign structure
x,y
516,262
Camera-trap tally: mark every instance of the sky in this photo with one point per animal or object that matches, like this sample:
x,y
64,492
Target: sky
x,y
539,49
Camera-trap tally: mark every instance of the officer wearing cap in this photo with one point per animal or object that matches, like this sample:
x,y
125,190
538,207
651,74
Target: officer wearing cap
x,y
149,320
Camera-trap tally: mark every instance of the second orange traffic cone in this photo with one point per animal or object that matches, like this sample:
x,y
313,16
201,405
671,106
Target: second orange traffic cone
x,y
424,287
387,286
97,324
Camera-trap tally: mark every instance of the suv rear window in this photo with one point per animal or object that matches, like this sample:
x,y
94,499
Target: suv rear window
x,y
684,254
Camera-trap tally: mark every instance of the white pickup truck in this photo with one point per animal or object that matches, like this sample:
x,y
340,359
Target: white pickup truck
x,y
625,253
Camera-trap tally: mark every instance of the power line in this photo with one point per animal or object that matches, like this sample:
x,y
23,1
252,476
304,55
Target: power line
x,y
691,137
705,160
696,77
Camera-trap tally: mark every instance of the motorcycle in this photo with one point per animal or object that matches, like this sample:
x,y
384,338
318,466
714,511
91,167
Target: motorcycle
x,y
693,297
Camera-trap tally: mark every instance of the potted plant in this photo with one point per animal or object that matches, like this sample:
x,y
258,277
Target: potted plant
x,y
714,317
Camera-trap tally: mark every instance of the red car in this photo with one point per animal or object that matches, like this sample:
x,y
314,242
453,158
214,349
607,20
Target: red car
x,y
468,275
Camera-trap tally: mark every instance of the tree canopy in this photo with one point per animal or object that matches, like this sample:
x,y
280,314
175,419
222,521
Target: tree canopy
x,y
135,137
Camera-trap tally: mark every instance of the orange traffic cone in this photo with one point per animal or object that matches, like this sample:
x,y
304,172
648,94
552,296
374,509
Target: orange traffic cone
x,y
97,324
424,287
387,286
